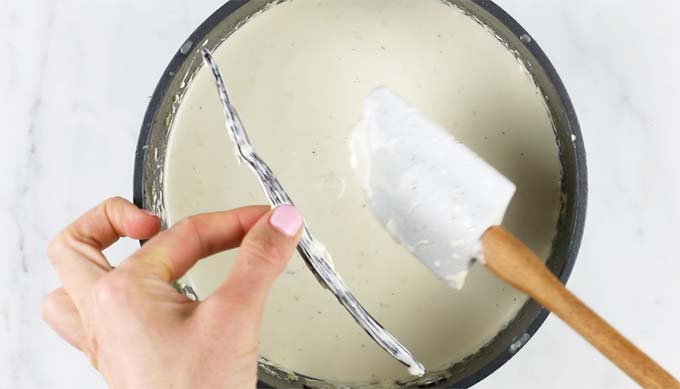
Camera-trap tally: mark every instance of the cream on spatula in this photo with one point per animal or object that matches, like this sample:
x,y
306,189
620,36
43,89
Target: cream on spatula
x,y
445,204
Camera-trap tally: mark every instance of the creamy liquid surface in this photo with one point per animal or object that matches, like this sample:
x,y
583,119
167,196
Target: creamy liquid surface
x,y
298,74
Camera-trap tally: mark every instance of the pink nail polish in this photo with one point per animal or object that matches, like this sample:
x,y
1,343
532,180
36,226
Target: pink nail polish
x,y
287,219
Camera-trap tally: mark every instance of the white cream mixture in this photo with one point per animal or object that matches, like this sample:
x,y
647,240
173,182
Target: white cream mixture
x,y
298,74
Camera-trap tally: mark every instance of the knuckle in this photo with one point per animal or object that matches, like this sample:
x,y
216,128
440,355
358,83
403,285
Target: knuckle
x,y
57,247
152,263
189,229
187,225
112,289
48,307
115,200
109,207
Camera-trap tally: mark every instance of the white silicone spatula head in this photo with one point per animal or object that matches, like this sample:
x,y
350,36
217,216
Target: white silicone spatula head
x,y
433,195
440,200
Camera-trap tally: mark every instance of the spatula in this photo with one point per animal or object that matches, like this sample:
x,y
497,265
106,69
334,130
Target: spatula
x,y
445,204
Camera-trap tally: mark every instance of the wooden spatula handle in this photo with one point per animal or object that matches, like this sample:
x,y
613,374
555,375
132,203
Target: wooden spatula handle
x,y
517,265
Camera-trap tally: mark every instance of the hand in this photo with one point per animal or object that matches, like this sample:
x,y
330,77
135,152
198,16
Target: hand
x,y
137,330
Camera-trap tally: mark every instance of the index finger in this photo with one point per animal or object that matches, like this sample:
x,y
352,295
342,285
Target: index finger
x,y
170,254
76,253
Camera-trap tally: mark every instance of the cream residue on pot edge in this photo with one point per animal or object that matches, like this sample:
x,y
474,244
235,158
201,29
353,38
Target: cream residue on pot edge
x,y
297,74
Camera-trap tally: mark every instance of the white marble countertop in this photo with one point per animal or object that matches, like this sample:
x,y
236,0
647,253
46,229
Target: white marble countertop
x,y
75,77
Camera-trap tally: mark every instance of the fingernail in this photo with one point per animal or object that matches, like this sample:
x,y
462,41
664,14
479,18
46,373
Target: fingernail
x,y
287,219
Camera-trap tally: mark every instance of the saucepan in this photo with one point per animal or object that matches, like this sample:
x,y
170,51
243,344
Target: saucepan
x,y
151,149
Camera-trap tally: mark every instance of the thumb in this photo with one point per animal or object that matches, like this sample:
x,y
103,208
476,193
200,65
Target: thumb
x,y
263,255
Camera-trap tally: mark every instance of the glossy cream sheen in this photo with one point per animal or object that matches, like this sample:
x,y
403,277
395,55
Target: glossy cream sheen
x,y
298,74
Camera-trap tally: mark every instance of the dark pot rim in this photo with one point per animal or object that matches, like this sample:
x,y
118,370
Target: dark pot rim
x,y
579,185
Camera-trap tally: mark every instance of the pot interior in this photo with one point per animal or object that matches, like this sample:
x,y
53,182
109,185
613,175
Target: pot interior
x,y
151,153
